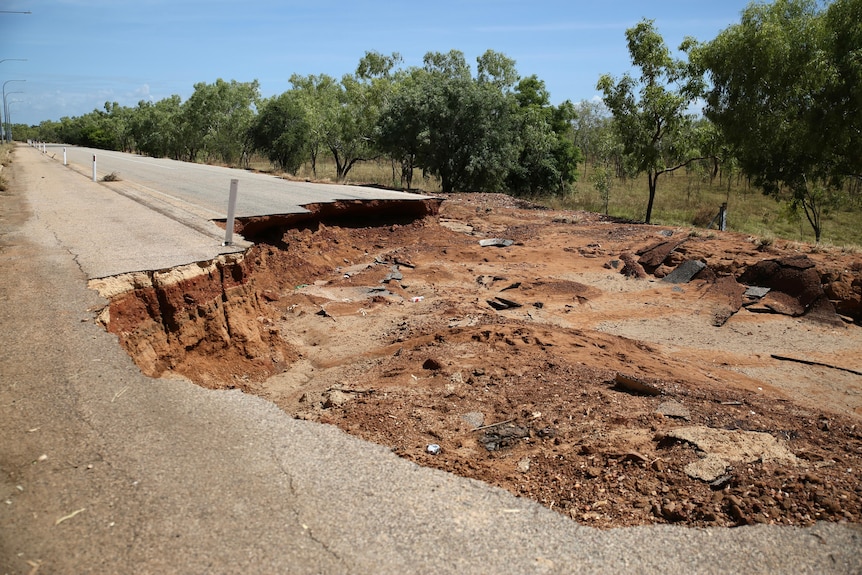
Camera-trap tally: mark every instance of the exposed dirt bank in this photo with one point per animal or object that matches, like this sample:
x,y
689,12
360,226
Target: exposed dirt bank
x,y
558,365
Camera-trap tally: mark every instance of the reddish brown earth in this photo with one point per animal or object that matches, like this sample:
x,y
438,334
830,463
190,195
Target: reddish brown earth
x,y
530,398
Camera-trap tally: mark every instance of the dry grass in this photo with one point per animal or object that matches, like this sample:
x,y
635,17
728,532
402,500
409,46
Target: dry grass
x,y
687,199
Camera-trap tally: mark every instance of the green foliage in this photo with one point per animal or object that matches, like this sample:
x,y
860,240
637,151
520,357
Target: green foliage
x,y
281,131
216,120
785,96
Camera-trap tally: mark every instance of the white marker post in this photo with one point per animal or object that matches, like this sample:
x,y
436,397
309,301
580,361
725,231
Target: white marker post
x,y
94,167
65,163
231,210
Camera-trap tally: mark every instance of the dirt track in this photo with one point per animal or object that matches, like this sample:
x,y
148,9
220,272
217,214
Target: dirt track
x,y
392,332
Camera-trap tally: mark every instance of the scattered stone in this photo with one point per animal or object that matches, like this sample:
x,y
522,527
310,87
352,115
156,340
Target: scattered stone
x,y
496,242
503,436
394,275
613,264
501,304
433,448
653,256
432,364
796,288
755,292
684,272
635,385
721,482
707,469
515,285
335,398
524,464
724,447
474,419
673,408
508,302
631,268
666,233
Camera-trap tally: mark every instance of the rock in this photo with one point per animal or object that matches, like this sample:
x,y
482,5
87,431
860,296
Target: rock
x,y
496,242
707,469
503,436
474,419
635,385
724,447
684,272
432,364
673,408
631,268
335,398
653,256
524,465
795,286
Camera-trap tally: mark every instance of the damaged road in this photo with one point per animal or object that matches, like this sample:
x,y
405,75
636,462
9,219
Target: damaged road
x,y
527,316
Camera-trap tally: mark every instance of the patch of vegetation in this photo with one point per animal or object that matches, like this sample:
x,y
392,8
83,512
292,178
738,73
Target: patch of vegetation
x,y
112,177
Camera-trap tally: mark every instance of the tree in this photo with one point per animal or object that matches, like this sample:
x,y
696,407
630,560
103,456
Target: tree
x,y
281,131
591,122
843,46
319,96
469,143
216,119
547,160
780,101
650,113
155,127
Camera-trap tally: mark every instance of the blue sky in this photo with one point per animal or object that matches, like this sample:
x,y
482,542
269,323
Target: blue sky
x,y
82,53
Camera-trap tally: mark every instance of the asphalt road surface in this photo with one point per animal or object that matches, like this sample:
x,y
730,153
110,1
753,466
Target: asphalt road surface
x,y
204,189
103,470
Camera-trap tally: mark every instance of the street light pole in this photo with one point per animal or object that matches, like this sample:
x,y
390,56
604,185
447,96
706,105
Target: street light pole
x,y
3,119
9,114
5,111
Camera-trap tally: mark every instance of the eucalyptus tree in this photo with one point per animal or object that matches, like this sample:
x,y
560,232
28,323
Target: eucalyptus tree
x,y
785,95
319,96
547,159
650,113
155,127
281,131
468,136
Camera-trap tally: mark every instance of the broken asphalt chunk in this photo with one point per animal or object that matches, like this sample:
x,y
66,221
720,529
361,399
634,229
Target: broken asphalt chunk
x,y
635,385
496,242
501,304
673,408
684,272
394,275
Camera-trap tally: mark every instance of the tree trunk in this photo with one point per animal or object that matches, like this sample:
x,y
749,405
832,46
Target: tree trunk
x,y
653,180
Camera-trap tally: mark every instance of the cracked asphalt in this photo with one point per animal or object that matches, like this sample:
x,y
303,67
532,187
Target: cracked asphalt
x,y
103,470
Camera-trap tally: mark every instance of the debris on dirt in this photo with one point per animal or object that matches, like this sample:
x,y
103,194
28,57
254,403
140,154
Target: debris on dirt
x,y
635,385
496,242
654,255
812,362
672,408
393,275
683,273
735,445
536,384
502,436
631,268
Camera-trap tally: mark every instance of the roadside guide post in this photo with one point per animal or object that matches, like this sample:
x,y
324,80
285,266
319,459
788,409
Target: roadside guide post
x,y
64,157
231,210
94,167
